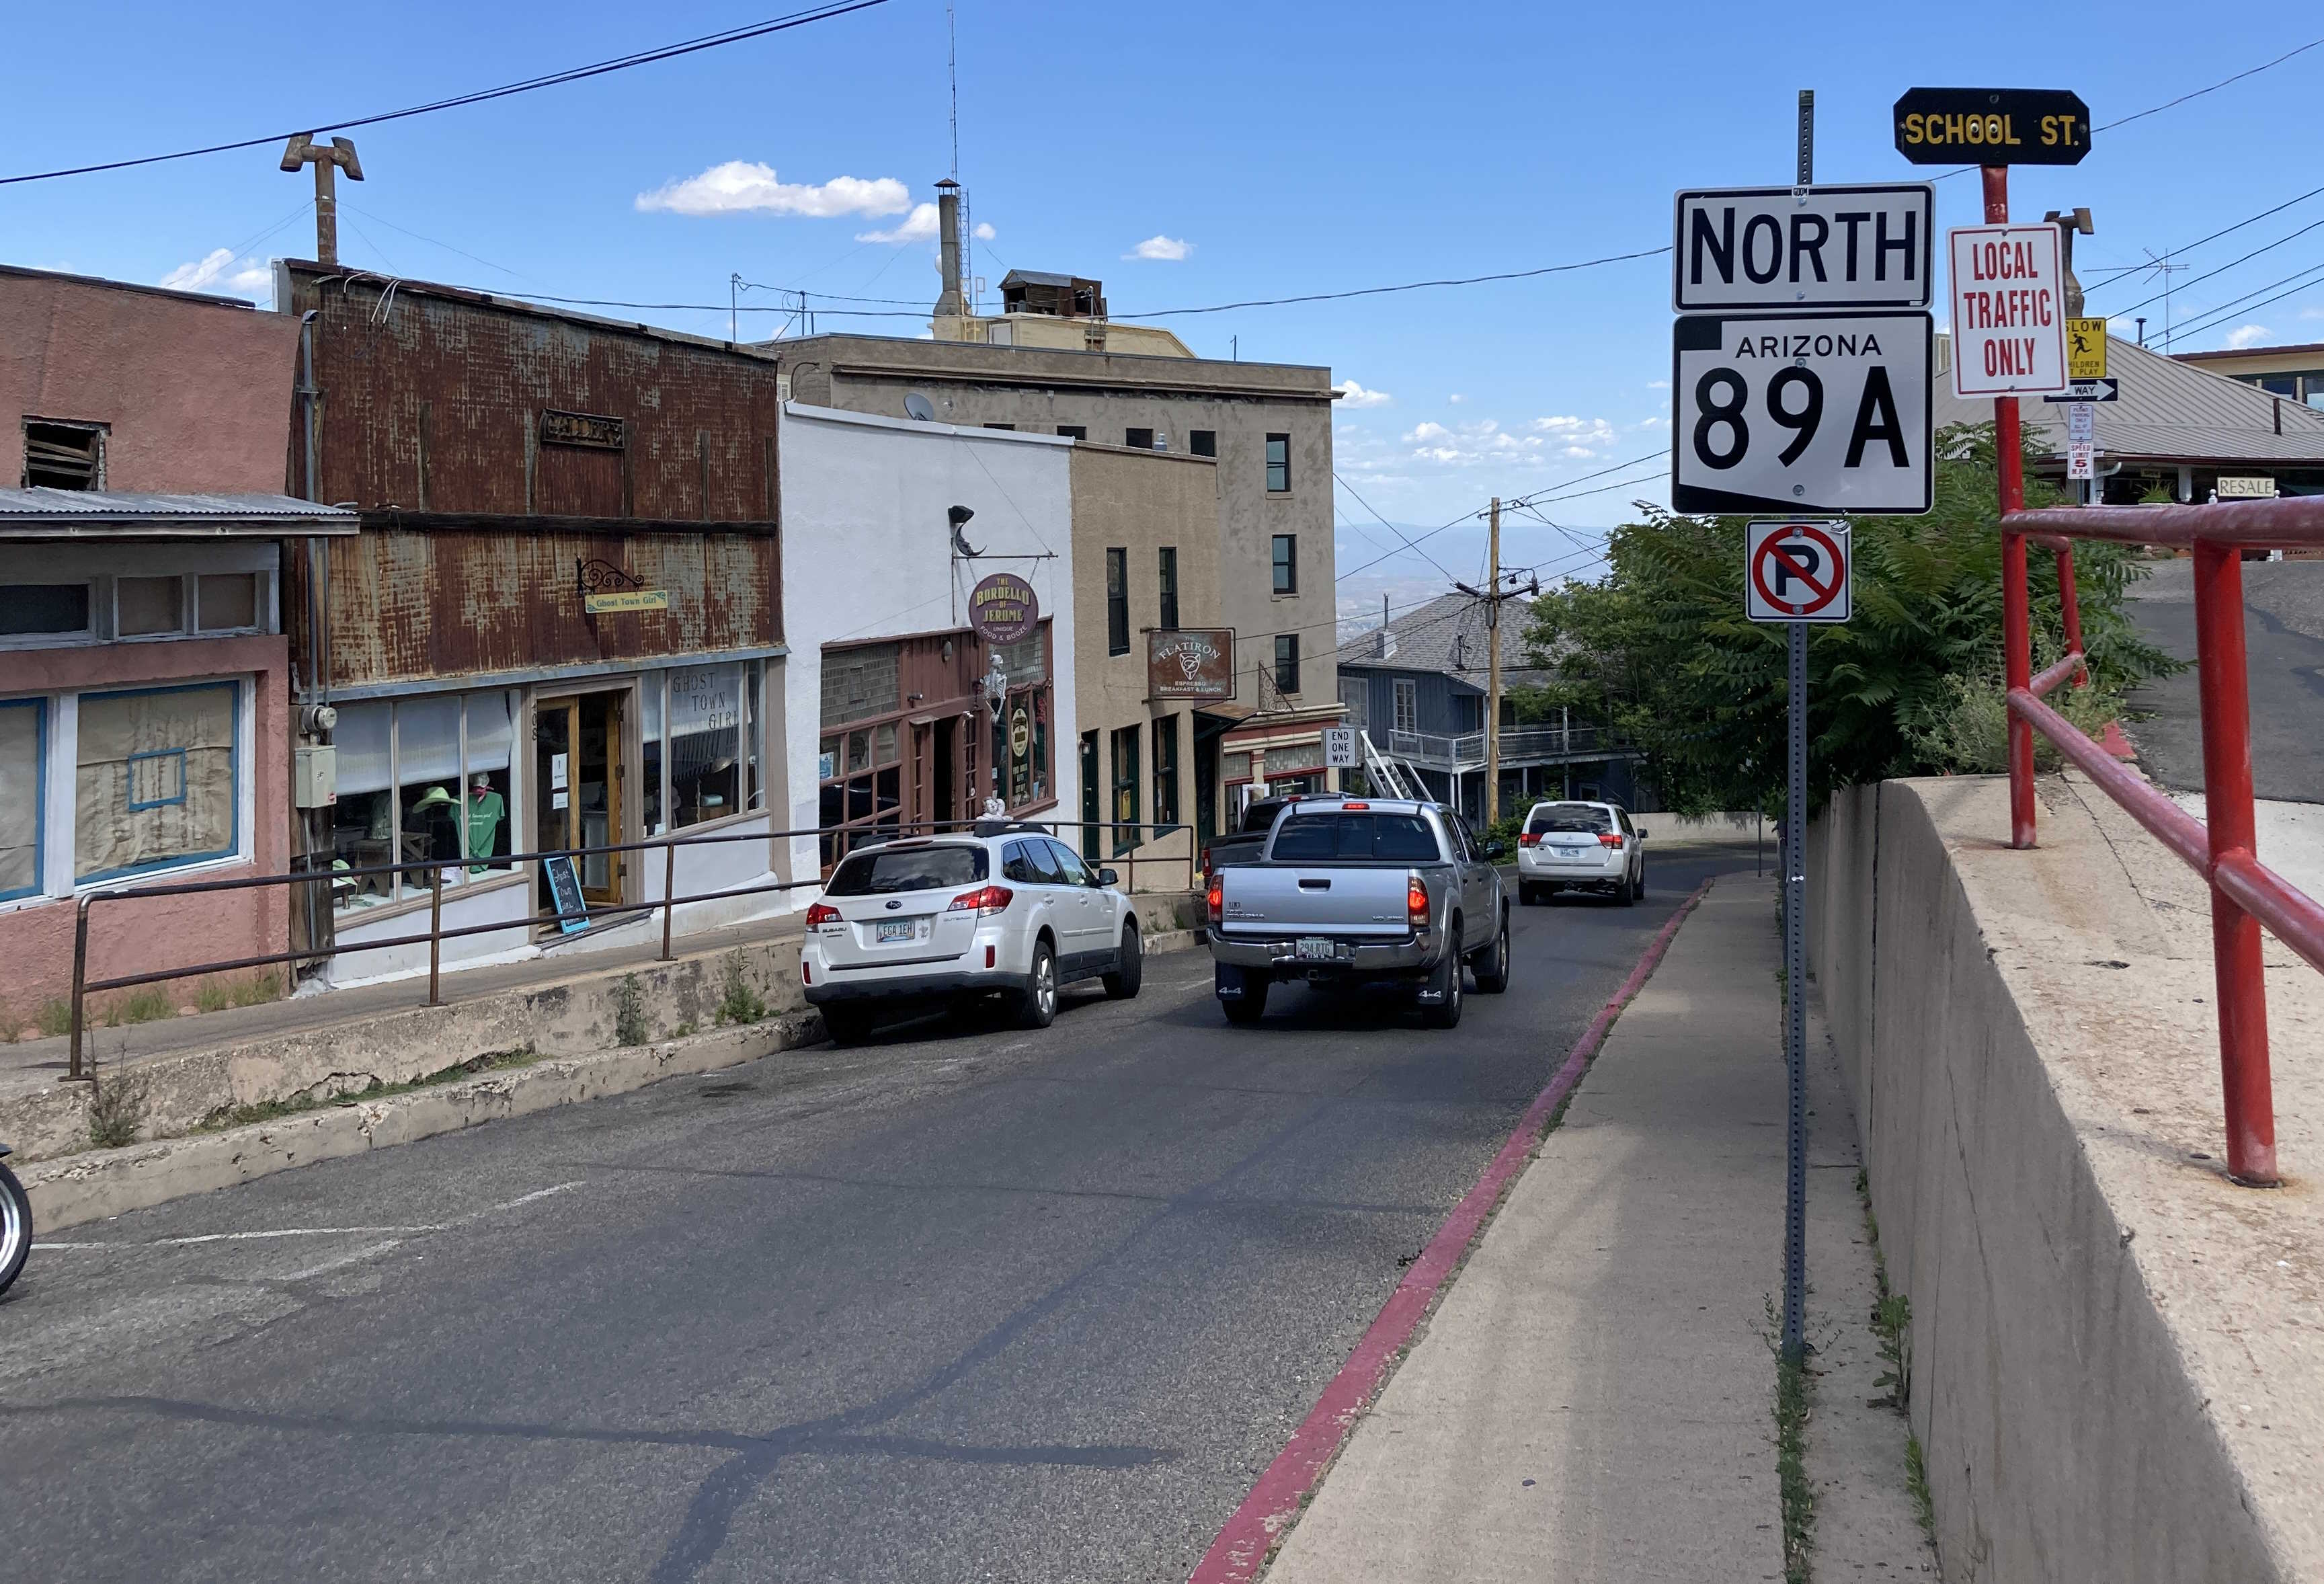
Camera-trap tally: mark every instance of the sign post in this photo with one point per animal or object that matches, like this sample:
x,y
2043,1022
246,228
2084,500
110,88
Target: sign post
x,y
1998,128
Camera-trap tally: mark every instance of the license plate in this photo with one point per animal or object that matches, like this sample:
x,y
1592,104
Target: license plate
x,y
1315,949
1572,852
899,929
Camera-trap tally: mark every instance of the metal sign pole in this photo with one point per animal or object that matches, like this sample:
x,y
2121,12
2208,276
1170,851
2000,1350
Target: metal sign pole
x,y
1796,826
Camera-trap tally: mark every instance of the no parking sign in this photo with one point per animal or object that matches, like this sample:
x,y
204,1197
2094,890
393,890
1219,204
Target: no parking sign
x,y
1797,572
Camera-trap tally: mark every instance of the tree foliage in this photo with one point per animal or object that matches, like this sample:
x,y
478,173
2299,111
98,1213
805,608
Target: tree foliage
x,y
1660,649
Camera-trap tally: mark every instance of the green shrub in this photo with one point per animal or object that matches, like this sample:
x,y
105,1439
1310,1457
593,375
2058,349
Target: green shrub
x,y
148,1004
116,1109
737,1001
54,1018
629,1011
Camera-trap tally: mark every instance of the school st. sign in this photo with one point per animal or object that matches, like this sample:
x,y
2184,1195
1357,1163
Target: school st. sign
x,y
1992,126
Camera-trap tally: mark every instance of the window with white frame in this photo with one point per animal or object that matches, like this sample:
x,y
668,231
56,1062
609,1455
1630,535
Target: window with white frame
x,y
24,772
422,779
1408,704
157,779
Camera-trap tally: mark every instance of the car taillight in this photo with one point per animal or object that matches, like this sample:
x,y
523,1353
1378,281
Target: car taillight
x,y
1347,807
1415,902
1217,906
819,914
1609,839
1529,839
984,901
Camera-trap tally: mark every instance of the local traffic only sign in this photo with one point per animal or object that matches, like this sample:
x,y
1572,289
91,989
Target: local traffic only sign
x,y
2009,315
1804,247
1797,572
1793,413
1992,126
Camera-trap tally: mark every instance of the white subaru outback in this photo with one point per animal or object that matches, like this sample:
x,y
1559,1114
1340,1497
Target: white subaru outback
x,y
1005,909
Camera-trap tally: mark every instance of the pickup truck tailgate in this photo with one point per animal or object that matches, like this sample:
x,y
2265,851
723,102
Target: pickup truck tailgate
x,y
1277,901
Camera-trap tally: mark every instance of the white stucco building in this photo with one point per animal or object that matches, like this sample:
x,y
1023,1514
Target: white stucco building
x,y
888,715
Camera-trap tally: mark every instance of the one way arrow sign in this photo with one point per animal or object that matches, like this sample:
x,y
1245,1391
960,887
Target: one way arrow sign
x,y
2088,391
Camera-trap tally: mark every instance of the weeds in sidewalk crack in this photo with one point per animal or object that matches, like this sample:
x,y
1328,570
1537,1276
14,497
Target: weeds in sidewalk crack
x,y
1792,1392
116,1109
738,1002
1892,1325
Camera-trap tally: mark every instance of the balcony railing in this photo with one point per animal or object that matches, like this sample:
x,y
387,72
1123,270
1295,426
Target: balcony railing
x,y
1520,745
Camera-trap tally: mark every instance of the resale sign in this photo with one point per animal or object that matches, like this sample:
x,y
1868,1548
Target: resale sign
x,y
2009,315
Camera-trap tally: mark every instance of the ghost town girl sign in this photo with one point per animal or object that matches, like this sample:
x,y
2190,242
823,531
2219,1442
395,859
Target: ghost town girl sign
x,y
1190,663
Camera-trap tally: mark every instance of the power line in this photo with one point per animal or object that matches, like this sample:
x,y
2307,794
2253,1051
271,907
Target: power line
x,y
1221,308
1391,527
2252,220
550,80
2223,269
1524,501
2211,318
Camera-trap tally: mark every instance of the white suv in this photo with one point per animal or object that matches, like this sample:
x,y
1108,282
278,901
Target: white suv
x,y
1578,846
1007,908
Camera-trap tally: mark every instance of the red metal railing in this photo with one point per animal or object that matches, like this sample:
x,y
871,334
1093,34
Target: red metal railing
x,y
2245,894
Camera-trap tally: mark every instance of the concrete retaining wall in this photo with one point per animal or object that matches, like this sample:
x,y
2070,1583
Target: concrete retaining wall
x,y
2061,1385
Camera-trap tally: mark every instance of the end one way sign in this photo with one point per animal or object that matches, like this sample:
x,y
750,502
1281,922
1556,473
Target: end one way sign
x,y
1797,572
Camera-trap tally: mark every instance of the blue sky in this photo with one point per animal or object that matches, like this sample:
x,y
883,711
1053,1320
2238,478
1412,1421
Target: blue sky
x,y
1263,151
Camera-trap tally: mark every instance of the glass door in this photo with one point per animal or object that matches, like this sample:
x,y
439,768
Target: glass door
x,y
578,776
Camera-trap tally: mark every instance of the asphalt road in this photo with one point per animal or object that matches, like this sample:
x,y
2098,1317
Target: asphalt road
x,y
2283,635
967,1303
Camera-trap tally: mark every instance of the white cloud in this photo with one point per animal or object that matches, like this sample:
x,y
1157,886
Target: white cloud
x,y
984,231
1167,249
1657,384
218,270
1425,432
1573,431
920,225
746,186
1354,395
2243,335
1456,398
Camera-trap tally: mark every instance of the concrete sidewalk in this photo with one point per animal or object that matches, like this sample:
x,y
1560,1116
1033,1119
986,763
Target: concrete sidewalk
x,y
1593,1399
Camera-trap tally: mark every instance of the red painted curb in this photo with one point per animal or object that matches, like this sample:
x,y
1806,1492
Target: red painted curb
x,y
1242,1548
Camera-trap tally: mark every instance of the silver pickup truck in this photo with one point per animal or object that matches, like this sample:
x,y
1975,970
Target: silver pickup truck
x,y
1353,890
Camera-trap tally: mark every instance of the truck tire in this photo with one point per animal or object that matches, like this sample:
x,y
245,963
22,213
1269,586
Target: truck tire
x,y
1249,1006
1492,969
1129,972
1444,1012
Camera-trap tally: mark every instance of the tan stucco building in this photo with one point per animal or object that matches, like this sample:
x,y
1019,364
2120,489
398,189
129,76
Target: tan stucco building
x,y
1146,570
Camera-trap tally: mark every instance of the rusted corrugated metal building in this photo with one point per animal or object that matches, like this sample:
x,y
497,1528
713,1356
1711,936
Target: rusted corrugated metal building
x,y
558,625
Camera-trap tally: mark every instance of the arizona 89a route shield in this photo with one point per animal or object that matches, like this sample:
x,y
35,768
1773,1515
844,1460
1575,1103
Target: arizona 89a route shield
x,y
1801,412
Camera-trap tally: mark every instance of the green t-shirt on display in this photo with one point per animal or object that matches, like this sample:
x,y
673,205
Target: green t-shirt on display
x,y
484,814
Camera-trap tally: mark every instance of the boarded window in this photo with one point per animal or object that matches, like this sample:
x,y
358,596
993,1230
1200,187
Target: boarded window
x,y
156,779
63,455
22,796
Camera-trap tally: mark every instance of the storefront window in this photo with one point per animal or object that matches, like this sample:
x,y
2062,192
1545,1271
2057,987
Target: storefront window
x,y
706,778
1125,789
156,782
650,754
24,723
422,779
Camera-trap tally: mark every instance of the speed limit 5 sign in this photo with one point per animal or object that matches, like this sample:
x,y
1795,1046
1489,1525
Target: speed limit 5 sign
x,y
1801,412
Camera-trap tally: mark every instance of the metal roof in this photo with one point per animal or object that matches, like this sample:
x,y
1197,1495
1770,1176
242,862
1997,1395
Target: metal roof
x,y
46,513
2169,411
1042,278
1447,634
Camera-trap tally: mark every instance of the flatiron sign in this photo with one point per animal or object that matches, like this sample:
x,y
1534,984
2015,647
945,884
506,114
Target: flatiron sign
x,y
1193,663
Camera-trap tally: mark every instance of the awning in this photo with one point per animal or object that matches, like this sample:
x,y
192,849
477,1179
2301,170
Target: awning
x,y
115,514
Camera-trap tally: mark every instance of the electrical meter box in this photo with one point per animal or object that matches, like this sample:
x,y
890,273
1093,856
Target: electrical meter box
x,y
314,776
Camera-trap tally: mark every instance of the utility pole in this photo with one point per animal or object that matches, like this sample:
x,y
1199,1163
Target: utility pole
x,y
1493,682
303,149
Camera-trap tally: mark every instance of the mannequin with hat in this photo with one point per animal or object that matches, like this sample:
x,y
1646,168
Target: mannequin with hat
x,y
484,810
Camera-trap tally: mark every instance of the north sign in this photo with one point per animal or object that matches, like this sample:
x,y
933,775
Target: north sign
x,y
1793,412
1797,572
1804,247
1992,126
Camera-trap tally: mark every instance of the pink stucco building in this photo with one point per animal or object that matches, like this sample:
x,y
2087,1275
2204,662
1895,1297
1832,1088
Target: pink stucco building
x,y
145,690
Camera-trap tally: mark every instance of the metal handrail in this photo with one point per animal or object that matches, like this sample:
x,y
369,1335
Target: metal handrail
x,y
2222,846
80,1070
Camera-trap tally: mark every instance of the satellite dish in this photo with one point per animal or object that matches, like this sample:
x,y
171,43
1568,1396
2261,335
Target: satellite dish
x,y
919,406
